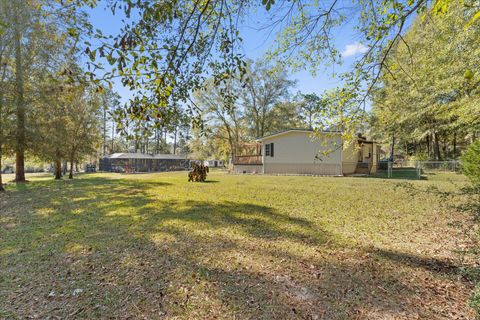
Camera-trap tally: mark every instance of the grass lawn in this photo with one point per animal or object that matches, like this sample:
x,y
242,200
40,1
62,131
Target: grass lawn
x,y
238,247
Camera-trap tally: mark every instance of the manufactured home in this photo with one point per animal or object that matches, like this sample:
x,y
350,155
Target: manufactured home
x,y
300,151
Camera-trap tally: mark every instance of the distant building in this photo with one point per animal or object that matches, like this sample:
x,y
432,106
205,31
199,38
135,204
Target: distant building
x,y
297,151
141,162
214,163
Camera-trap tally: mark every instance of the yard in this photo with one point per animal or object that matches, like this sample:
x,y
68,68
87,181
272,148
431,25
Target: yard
x,y
236,247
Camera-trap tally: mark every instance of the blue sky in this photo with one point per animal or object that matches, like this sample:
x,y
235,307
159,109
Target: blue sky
x,y
255,44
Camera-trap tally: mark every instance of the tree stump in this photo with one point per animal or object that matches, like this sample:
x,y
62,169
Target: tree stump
x,y
198,173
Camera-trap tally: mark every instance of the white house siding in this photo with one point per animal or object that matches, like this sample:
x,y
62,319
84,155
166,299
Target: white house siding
x,y
350,158
353,153
298,152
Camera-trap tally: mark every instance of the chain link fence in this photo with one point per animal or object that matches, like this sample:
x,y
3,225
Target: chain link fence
x,y
416,169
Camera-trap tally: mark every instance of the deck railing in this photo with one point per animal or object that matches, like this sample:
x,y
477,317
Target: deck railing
x,y
254,160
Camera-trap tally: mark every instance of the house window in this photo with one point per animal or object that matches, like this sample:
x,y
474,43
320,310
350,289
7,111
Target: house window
x,y
269,150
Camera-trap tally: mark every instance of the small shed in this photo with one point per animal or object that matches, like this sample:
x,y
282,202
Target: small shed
x,y
142,162
214,163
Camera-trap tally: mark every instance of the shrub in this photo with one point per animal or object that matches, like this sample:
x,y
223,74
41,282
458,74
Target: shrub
x,y
475,301
471,162
419,156
471,168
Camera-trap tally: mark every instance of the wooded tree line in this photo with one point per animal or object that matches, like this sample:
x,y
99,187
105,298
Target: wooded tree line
x,y
47,109
427,103
146,135
261,102
197,51
156,136
140,136
170,50
43,43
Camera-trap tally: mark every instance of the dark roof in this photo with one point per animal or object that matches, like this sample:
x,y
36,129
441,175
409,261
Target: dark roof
x,y
364,140
143,156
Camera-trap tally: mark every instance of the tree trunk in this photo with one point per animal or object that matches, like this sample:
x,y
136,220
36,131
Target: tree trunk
x,y
58,168
187,149
445,146
20,102
113,138
157,141
1,136
1,182
175,141
428,146
70,175
455,146
230,142
104,130
437,147
392,152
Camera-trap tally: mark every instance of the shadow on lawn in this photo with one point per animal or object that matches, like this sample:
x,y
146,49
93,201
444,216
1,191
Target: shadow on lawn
x,y
133,255
396,176
416,261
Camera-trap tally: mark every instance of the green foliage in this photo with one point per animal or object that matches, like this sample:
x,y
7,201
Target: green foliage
x,y
471,162
172,48
166,53
475,301
40,39
286,115
67,118
419,156
423,99
262,105
312,110
263,89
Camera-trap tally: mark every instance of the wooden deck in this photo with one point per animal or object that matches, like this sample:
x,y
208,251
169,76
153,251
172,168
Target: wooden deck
x,y
247,160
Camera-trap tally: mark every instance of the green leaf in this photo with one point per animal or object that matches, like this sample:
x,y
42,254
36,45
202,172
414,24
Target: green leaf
x,y
73,32
468,74
474,19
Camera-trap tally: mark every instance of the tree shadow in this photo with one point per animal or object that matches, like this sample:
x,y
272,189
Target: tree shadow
x,y
397,176
472,205
416,261
253,220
